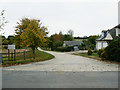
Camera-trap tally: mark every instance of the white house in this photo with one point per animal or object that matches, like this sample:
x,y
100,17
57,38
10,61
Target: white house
x,y
107,36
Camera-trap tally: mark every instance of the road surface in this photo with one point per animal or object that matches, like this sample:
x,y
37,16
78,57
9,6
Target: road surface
x,y
64,71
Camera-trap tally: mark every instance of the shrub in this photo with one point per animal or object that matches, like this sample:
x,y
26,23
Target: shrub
x,y
89,52
95,51
112,52
80,47
92,46
100,51
103,55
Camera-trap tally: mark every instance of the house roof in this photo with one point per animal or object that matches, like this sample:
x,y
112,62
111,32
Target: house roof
x,y
72,43
112,32
118,26
103,36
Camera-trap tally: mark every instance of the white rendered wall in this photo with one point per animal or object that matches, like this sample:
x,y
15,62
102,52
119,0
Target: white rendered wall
x,y
99,45
105,44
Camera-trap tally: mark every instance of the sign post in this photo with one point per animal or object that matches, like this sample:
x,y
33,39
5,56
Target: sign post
x,y
11,47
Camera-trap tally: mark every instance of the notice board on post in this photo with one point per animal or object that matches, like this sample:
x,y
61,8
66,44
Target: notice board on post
x,y
11,47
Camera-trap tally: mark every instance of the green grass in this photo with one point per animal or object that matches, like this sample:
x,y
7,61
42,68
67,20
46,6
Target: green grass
x,y
45,48
94,55
40,56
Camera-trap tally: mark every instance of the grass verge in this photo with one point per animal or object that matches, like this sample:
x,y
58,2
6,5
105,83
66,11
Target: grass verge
x,y
40,56
95,56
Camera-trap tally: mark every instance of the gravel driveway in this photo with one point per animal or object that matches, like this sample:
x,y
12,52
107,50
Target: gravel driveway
x,y
66,62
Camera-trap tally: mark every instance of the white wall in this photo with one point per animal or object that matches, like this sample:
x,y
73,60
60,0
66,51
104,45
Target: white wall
x,y
101,44
117,31
105,44
98,45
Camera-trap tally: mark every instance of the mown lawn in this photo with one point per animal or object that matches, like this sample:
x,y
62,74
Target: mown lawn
x,y
40,56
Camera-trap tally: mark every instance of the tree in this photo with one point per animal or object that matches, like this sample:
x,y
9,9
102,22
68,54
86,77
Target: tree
x,y
2,20
69,36
92,41
70,32
31,33
2,24
10,39
21,26
4,40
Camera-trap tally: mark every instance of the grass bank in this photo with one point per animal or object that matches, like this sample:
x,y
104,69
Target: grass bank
x,y
95,56
40,56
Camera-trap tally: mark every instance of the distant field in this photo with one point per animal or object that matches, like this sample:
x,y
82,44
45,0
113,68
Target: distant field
x,y
80,39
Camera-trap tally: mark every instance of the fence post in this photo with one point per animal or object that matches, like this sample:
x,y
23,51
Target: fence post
x,y
8,54
14,55
1,60
11,56
24,55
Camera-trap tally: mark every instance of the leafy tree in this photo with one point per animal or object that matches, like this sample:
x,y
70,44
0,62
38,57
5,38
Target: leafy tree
x,y
31,33
70,32
10,39
4,40
57,40
70,35
91,42
17,41
21,26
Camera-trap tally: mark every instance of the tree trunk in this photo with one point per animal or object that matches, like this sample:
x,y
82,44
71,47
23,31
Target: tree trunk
x,y
33,52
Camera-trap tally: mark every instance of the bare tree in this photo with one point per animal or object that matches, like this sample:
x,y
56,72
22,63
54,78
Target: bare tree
x,y
2,20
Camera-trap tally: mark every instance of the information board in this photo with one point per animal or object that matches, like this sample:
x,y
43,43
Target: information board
x,y
11,46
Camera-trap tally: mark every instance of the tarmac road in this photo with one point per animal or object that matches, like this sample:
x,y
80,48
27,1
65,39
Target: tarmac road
x,y
64,71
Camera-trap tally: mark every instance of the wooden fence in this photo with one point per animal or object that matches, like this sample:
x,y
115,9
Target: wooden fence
x,y
13,56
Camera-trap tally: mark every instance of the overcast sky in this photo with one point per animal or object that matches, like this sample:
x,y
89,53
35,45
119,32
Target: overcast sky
x,y
88,17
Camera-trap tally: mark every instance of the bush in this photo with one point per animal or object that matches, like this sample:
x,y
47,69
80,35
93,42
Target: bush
x,y
92,46
95,51
104,55
80,47
100,51
64,49
112,52
89,52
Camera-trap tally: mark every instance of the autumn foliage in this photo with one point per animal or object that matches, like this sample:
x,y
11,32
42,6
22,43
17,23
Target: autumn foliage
x,y
30,33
